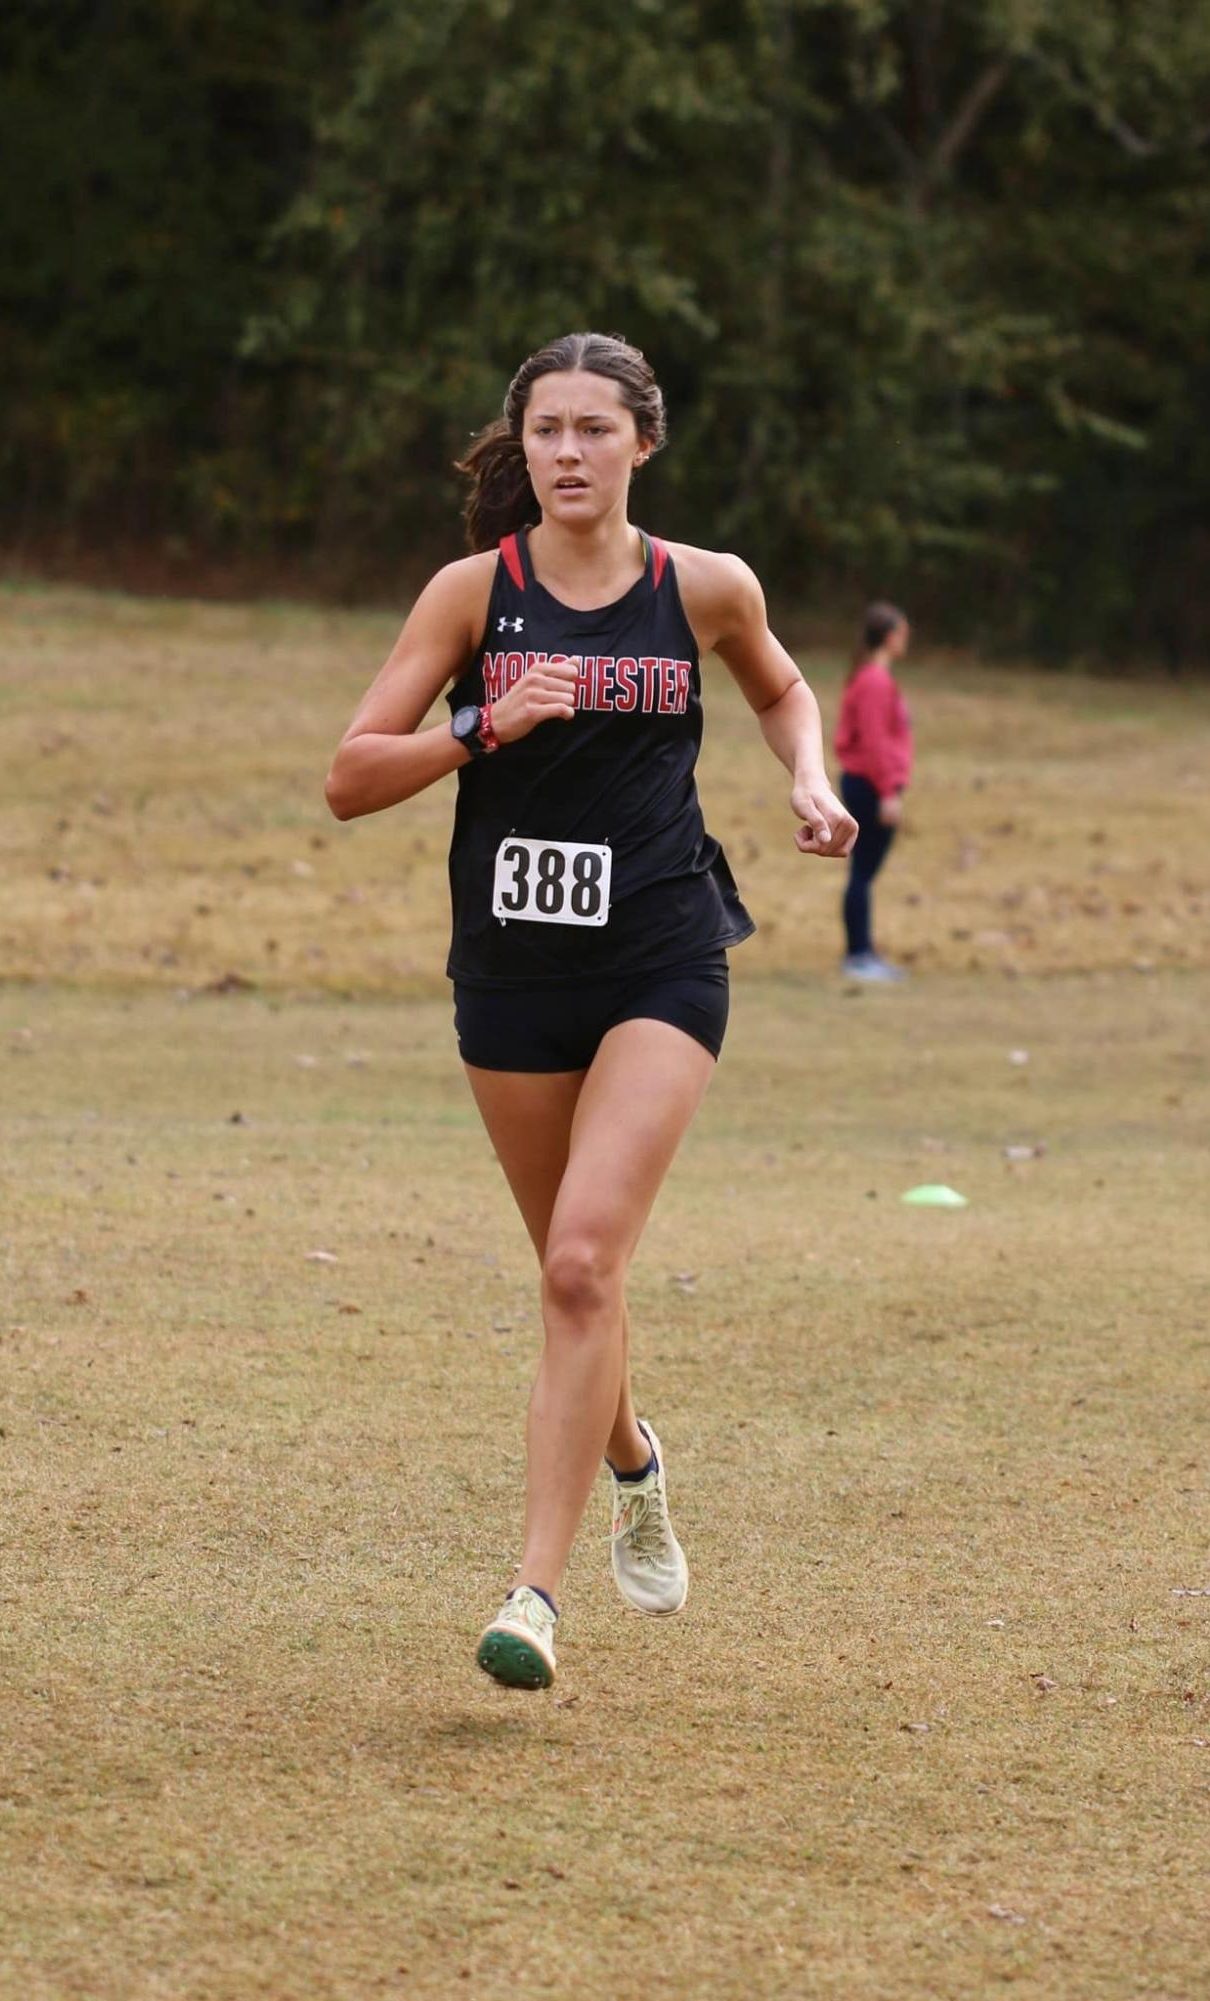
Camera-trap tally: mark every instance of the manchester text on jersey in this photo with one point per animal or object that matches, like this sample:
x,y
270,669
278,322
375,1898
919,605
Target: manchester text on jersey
x,y
648,685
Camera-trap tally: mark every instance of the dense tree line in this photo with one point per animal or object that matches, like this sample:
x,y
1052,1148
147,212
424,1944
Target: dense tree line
x,y
927,281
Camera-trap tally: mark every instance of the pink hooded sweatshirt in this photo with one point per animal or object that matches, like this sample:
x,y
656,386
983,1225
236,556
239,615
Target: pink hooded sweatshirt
x,y
874,732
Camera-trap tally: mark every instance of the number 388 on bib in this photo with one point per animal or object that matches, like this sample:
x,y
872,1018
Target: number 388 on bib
x,y
551,882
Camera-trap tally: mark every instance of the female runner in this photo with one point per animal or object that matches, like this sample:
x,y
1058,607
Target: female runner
x,y
591,910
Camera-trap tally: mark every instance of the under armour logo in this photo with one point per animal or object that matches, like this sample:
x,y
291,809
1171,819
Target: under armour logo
x,y
515,623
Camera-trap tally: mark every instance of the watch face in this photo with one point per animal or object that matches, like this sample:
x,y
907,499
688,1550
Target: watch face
x,y
465,723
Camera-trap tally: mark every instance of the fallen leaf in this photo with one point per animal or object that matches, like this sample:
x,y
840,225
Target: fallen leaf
x,y
1006,1915
230,983
1043,1683
321,1257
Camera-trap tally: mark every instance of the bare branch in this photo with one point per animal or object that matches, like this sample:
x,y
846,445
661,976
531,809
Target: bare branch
x,y
964,123
1128,139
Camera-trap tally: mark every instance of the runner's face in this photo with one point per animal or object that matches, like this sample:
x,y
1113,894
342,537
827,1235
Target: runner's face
x,y
581,445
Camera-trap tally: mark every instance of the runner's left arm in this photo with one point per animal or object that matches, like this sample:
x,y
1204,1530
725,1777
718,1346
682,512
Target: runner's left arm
x,y
735,622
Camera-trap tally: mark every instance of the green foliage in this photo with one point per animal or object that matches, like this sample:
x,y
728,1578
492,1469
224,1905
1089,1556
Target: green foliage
x,y
924,279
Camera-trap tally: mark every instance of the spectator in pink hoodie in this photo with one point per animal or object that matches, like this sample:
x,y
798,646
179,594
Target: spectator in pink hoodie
x,y
874,747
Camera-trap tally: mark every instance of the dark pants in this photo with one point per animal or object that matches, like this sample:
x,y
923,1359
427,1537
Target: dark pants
x,y
873,846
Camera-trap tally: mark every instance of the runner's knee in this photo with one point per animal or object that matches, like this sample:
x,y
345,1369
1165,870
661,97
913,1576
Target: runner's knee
x,y
581,1276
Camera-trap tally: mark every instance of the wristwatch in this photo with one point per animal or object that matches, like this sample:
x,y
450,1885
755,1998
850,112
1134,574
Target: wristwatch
x,y
473,727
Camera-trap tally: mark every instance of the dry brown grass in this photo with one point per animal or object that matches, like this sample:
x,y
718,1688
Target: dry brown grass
x,y
936,1719
161,819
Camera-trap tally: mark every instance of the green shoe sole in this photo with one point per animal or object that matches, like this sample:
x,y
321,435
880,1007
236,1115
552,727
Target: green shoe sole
x,y
511,1660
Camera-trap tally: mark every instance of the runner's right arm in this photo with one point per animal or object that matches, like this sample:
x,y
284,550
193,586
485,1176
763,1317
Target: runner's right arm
x,y
384,756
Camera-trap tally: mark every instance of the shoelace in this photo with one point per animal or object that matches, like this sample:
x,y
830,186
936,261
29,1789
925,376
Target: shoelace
x,y
533,1611
641,1525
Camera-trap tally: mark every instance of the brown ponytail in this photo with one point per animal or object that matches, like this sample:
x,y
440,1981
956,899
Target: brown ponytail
x,y
501,499
877,625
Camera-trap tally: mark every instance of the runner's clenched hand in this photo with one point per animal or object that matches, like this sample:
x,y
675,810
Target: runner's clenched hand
x,y
828,828
545,692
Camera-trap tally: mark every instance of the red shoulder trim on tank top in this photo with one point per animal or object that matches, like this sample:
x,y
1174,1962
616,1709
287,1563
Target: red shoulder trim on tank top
x,y
512,560
659,560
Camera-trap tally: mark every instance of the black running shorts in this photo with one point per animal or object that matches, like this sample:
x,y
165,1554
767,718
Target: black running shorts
x,y
562,1027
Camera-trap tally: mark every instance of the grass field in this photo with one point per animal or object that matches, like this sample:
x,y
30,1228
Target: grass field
x,y
936,1721
161,818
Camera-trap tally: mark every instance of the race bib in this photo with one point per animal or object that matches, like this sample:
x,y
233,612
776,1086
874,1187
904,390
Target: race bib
x,y
551,882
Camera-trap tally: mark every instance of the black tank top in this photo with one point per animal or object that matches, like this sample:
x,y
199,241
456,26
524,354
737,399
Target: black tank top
x,y
616,782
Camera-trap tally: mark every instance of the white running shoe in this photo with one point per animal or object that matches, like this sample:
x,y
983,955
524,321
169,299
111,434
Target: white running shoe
x,y
518,1648
873,970
649,1564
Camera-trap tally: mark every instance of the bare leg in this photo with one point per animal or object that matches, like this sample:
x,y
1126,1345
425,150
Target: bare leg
x,y
585,1156
622,1451
635,1104
529,1116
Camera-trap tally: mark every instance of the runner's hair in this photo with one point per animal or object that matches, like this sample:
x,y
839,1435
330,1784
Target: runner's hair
x,y
501,499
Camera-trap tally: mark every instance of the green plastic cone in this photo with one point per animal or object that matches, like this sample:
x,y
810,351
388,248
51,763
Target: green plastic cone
x,y
934,1195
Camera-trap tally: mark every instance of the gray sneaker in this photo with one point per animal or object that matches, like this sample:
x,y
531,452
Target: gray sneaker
x,y
649,1564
